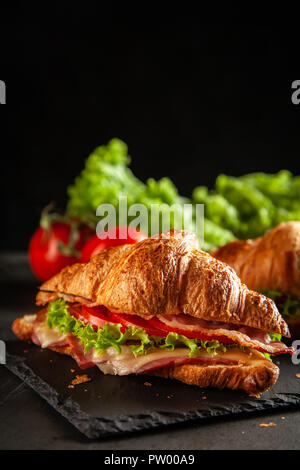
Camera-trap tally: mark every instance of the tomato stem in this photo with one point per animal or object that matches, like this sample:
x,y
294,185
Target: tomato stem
x,y
48,217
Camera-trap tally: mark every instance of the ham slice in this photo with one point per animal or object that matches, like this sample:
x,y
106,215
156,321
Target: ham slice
x,y
84,360
44,337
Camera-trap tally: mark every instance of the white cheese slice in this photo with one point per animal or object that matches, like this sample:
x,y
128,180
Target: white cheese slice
x,y
48,336
126,363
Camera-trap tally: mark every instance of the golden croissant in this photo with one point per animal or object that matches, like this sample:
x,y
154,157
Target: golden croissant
x,y
162,307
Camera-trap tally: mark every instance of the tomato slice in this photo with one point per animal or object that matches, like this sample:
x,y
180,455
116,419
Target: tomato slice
x,y
189,334
99,316
96,316
138,322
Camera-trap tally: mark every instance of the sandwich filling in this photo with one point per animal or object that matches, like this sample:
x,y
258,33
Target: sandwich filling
x,y
123,344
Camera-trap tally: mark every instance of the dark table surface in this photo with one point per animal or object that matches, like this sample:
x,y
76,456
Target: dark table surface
x,y
28,422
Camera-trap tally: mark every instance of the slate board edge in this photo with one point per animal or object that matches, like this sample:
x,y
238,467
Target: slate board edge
x,y
94,428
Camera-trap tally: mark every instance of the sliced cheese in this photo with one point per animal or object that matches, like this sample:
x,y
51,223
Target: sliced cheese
x,y
126,363
48,336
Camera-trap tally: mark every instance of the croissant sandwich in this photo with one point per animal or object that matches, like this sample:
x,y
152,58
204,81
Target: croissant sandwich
x,y
271,265
161,307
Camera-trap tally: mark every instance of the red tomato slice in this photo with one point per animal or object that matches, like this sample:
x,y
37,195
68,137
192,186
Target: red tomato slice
x,y
99,316
138,322
96,316
189,334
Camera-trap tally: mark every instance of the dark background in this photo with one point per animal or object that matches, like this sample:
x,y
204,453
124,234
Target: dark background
x,y
191,99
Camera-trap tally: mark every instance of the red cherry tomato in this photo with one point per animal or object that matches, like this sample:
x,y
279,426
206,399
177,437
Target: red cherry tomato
x,y
46,249
95,244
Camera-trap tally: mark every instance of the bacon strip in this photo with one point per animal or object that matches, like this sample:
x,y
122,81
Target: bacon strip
x,y
243,335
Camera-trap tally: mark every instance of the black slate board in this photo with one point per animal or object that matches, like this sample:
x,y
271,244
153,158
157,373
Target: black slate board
x,y
112,405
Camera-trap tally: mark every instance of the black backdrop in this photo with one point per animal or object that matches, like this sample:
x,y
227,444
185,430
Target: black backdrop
x,y
191,99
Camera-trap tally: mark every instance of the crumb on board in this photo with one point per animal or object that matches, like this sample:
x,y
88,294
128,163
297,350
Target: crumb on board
x,y
267,425
204,398
79,379
148,384
298,376
72,370
25,351
282,417
170,396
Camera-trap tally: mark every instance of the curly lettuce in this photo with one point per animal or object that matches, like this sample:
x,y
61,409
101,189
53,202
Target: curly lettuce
x,y
217,209
140,342
262,200
107,178
238,207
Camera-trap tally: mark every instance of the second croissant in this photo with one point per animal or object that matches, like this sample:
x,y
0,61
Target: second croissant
x,y
271,265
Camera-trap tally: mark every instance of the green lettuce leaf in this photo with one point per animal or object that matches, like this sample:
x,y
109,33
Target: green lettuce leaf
x,y
217,208
275,336
174,340
110,335
255,209
106,178
238,207
288,305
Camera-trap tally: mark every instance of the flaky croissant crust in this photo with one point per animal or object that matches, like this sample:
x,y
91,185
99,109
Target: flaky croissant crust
x,y
268,262
166,274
